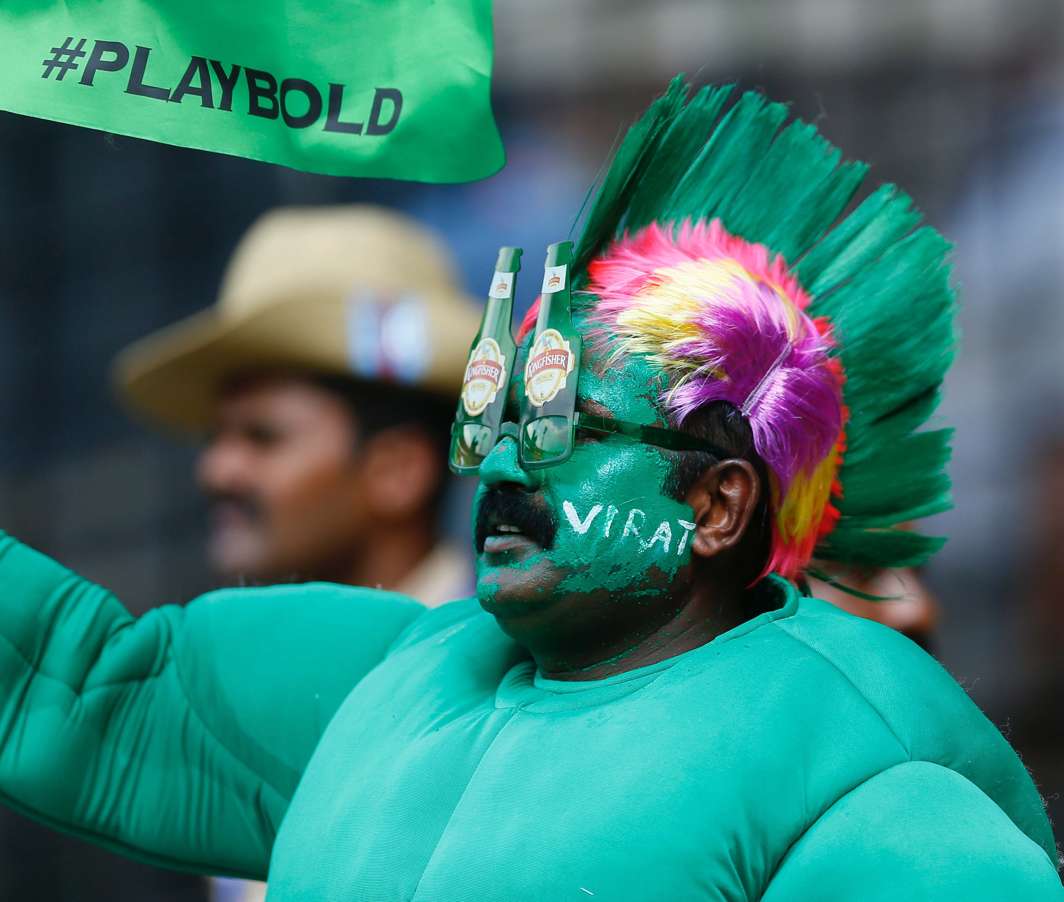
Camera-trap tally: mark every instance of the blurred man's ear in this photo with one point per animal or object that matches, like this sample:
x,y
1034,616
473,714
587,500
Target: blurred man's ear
x,y
402,473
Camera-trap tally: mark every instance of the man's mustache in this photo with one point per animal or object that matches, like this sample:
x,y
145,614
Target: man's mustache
x,y
515,508
246,505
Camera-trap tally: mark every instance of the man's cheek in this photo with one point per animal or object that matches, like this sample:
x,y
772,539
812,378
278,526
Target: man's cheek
x,y
608,537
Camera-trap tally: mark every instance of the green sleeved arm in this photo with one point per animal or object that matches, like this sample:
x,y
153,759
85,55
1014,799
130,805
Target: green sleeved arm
x,y
177,737
917,831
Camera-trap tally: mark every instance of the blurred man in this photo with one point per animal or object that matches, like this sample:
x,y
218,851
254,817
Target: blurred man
x,y
896,598
325,377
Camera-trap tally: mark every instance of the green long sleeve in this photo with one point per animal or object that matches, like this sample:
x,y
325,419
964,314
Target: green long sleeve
x,y
917,831
177,737
805,754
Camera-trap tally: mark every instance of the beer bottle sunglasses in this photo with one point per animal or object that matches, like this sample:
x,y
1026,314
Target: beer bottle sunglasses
x,y
548,419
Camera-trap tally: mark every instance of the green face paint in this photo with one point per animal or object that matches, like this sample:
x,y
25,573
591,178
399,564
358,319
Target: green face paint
x,y
619,535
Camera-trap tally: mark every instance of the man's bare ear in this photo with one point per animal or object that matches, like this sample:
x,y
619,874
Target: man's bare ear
x,y
723,500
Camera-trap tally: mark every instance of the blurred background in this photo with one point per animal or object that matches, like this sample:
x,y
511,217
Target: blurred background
x,y
104,239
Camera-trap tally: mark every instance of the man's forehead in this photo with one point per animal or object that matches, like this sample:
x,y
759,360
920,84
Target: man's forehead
x,y
624,388
261,380
271,392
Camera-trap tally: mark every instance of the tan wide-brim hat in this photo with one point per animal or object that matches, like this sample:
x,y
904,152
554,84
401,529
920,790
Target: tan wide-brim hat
x,y
354,290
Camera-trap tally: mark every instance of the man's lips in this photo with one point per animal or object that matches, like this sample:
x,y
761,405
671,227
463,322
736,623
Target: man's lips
x,y
511,522
509,542
230,510
229,516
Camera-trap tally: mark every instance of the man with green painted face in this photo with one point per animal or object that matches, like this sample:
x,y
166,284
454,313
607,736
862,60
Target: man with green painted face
x,y
717,395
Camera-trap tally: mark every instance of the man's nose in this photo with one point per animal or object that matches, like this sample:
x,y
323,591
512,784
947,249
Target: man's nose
x,y
222,467
502,466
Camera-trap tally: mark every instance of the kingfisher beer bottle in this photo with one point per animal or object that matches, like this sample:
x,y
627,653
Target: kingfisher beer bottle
x,y
550,372
491,360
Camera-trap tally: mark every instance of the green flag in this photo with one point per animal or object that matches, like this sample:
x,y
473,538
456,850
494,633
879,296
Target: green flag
x,y
373,88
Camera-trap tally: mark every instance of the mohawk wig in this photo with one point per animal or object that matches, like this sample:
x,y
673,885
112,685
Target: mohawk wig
x,y
715,248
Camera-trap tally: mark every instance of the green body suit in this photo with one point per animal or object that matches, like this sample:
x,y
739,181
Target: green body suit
x,y
354,747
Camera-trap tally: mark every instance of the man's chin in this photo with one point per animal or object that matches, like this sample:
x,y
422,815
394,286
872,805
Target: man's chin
x,y
237,557
516,580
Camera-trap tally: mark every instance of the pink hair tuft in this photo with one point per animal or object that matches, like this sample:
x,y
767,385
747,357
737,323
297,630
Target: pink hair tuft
x,y
726,320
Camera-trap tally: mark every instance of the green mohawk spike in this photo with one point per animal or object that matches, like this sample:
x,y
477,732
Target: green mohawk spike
x,y
876,275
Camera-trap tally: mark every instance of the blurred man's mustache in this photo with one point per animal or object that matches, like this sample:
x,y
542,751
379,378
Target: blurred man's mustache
x,y
247,506
515,508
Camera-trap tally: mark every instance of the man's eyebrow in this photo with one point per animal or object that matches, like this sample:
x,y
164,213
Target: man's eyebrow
x,y
586,405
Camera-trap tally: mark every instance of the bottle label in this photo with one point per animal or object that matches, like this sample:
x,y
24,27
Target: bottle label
x,y
554,278
501,285
550,361
485,374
